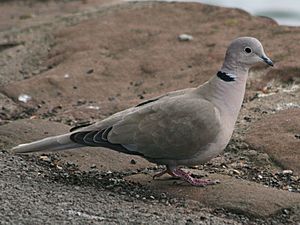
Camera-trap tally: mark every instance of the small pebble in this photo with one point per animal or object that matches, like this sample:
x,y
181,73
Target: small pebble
x,y
247,119
90,71
286,211
24,98
287,172
59,167
132,161
252,153
111,98
163,195
233,171
45,158
203,218
93,107
93,166
189,221
185,37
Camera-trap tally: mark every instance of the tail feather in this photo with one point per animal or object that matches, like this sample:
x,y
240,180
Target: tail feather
x,y
56,143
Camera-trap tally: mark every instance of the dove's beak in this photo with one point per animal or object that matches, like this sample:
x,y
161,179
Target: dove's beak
x,y
267,60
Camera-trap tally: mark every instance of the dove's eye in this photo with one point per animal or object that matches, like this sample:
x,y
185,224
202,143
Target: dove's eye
x,y
248,50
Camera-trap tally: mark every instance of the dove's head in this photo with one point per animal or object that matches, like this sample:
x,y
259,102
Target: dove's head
x,y
245,52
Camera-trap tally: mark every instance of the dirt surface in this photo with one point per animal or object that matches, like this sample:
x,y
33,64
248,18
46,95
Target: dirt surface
x,y
68,62
267,136
35,194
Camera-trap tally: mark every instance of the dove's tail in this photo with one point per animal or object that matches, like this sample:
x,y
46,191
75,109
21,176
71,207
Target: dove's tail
x,y
56,143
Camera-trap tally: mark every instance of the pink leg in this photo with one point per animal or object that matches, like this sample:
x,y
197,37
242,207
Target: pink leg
x,y
168,171
179,173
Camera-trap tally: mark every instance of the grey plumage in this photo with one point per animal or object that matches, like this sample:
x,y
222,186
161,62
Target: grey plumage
x,y
185,127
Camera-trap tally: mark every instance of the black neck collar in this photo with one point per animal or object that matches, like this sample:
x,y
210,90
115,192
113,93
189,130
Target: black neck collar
x,y
226,76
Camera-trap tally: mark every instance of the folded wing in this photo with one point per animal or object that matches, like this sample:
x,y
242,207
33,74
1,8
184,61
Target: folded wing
x,y
173,127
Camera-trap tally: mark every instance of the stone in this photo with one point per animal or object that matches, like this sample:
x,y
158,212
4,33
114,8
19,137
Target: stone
x,y
235,195
185,37
275,135
287,172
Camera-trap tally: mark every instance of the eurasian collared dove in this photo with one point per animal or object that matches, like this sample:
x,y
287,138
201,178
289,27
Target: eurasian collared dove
x,y
181,128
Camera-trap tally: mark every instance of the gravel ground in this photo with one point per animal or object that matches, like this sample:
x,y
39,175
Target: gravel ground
x,y
34,192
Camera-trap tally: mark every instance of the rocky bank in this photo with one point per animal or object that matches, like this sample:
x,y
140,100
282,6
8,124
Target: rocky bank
x,y
69,62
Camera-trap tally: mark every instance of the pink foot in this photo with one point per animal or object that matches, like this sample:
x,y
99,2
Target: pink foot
x,y
179,173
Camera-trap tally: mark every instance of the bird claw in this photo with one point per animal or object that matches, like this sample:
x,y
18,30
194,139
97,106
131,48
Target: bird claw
x,y
187,177
168,171
204,182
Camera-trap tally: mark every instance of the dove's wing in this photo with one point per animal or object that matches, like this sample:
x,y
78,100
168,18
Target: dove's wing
x,y
171,128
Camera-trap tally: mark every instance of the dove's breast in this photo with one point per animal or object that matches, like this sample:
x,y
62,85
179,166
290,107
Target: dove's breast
x,y
205,152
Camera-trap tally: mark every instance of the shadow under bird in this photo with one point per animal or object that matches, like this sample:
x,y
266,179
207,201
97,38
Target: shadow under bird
x,y
181,128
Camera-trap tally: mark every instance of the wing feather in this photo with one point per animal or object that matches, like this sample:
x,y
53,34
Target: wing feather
x,y
175,128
